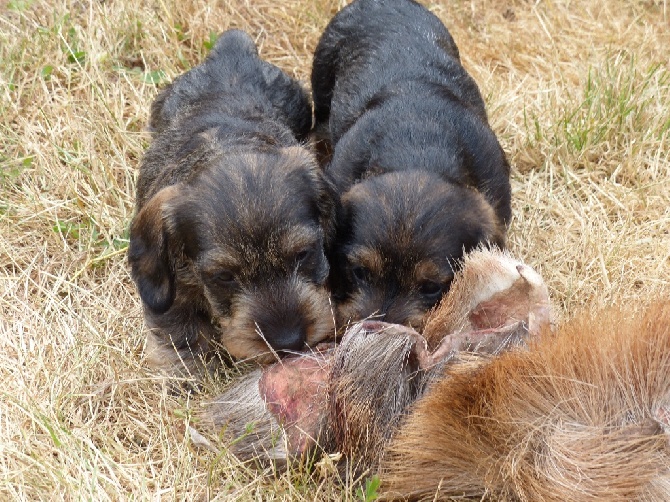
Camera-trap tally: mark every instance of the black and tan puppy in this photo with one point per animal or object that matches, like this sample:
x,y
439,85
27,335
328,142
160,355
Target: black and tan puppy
x,y
227,246
423,176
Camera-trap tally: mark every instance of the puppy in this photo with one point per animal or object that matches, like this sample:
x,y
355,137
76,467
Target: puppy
x,y
422,176
227,245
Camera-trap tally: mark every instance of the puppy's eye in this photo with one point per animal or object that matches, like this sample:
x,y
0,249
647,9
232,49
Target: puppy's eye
x,y
224,277
360,273
302,256
430,288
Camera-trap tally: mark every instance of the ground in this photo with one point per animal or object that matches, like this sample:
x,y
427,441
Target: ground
x,y
578,92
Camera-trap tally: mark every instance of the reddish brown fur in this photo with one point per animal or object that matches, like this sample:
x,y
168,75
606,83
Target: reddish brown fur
x,y
581,416
492,290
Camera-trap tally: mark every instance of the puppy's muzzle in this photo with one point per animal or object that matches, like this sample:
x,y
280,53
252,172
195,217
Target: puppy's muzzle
x,y
285,335
279,317
283,314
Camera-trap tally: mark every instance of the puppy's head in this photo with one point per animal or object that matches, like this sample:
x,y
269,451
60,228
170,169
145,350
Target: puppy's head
x,y
400,238
248,231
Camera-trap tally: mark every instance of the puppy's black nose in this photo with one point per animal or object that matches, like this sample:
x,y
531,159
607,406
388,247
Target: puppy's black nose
x,y
287,339
289,336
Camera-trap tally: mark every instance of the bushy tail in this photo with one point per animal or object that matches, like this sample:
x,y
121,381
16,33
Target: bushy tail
x,y
583,415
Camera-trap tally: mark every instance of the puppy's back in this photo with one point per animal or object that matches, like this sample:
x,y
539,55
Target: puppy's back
x,y
389,88
232,79
384,42
232,102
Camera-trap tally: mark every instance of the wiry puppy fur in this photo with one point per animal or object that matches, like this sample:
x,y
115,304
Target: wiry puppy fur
x,y
233,214
423,176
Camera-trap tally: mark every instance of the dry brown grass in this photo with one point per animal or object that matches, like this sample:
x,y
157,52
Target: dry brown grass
x,y
577,90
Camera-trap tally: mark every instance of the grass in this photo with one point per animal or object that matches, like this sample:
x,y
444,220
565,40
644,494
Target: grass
x,y
578,92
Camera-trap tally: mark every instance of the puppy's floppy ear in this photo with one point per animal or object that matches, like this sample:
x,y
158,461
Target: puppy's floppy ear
x,y
338,280
148,253
325,199
327,203
492,231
